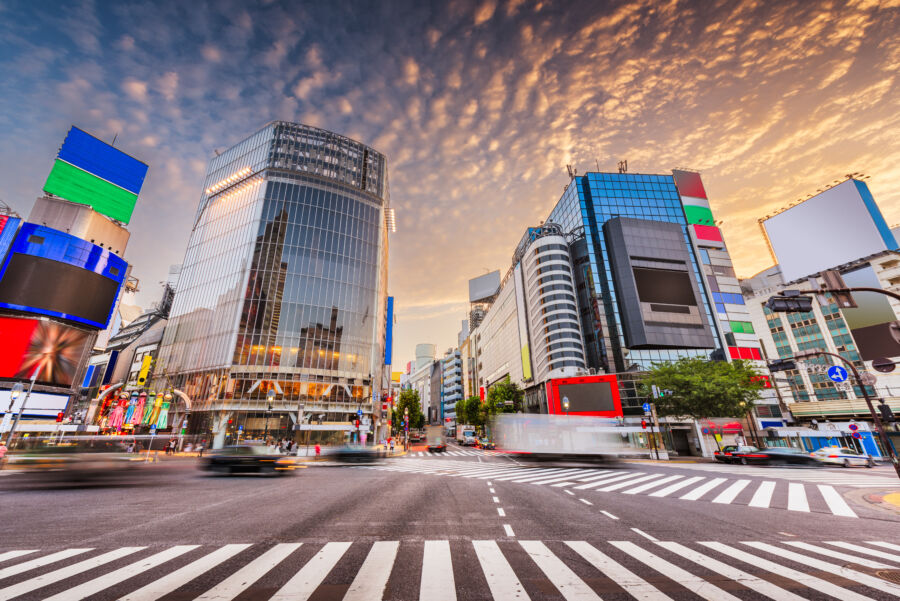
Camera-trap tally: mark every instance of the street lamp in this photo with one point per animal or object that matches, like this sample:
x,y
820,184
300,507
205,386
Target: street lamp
x,y
270,398
565,404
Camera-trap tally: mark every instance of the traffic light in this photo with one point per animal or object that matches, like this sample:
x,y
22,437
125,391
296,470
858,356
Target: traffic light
x,y
60,416
782,365
791,301
887,415
644,424
357,424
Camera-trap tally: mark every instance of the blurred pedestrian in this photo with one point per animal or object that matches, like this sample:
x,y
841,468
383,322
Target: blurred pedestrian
x,y
2,454
391,442
318,450
200,449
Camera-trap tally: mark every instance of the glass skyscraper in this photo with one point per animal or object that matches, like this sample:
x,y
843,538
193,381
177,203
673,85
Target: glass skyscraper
x,y
283,287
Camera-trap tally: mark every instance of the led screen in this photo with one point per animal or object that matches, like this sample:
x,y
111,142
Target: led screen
x,y
29,344
664,286
86,152
845,216
589,396
8,227
689,183
37,284
75,185
873,324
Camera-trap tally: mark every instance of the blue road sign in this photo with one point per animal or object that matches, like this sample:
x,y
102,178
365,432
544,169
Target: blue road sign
x,y
153,430
240,428
837,373
856,435
359,412
646,407
853,427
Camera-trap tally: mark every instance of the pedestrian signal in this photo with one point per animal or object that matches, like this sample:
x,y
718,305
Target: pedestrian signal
x,y
60,415
644,424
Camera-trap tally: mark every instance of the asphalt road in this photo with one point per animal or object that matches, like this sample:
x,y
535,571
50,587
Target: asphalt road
x,y
462,526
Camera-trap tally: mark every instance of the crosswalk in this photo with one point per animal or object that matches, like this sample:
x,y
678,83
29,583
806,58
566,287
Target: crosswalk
x,y
504,570
818,497
454,453
857,478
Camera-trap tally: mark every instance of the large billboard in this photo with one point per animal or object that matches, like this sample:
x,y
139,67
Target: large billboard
x,y
840,225
52,273
8,228
91,172
484,286
872,323
55,349
588,395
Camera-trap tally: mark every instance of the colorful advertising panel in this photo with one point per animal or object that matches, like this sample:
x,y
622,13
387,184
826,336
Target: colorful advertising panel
x,y
91,172
389,332
53,273
8,227
596,396
55,349
872,323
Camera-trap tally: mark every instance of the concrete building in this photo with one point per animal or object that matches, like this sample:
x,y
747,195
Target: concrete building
x,y
452,384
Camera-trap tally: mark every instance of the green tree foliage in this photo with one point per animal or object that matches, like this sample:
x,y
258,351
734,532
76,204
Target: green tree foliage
x,y
409,399
701,389
504,397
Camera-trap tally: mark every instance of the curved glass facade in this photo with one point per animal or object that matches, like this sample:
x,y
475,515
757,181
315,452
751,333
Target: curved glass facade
x,y
284,283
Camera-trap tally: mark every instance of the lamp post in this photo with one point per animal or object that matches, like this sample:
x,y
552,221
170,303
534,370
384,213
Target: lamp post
x,y
565,405
270,398
17,390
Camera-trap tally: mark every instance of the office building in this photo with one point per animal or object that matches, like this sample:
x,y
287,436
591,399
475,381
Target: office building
x,y
284,288
451,384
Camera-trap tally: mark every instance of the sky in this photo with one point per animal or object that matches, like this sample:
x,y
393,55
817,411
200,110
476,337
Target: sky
x,y
478,105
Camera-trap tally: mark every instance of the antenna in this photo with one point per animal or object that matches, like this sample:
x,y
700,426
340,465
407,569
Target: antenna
x,y
114,139
598,164
572,172
623,166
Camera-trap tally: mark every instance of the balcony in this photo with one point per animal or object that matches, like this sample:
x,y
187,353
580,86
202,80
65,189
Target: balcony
x,y
852,408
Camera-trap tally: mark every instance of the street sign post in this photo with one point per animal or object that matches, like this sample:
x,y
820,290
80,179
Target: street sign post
x,y
152,436
646,407
837,373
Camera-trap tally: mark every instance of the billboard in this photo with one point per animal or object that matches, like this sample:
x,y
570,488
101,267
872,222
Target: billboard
x,y
389,332
588,395
484,286
666,286
872,323
52,273
8,227
840,225
91,172
56,349
40,404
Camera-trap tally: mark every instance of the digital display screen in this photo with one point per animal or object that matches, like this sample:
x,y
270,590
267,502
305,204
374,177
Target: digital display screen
x,y
664,286
872,323
75,185
589,396
45,285
95,156
8,227
29,344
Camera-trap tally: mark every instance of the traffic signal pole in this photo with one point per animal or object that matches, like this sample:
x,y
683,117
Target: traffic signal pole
x,y
885,442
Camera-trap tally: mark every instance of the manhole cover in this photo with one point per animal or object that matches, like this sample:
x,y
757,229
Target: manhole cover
x,y
889,575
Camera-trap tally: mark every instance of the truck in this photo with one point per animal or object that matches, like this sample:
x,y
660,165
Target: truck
x,y
434,438
465,435
560,437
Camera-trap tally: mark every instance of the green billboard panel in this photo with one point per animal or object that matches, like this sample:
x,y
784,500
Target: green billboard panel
x,y
75,185
698,215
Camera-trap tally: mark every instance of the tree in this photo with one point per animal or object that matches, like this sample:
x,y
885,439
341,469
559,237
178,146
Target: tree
x,y
473,412
698,388
504,397
409,399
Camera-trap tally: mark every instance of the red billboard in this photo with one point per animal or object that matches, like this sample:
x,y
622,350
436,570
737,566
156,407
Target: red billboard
x,y
596,396
29,344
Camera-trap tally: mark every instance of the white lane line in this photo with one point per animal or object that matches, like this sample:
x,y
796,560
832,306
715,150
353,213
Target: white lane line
x,y
608,514
608,480
836,502
570,492
508,530
307,580
500,512
173,580
40,561
570,586
868,563
823,586
372,577
730,494
758,585
649,485
492,491
489,484
693,583
239,581
14,554
437,573
763,495
625,578
563,484
585,501
496,499
797,497
49,578
871,552
885,545
501,578
675,487
114,578
645,535
598,474
702,489
619,485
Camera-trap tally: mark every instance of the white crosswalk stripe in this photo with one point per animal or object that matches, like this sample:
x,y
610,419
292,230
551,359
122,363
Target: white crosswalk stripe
x,y
844,477
652,570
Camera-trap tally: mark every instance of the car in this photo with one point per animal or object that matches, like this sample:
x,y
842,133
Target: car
x,y
415,437
484,443
469,441
247,459
842,456
437,445
354,453
772,456
724,455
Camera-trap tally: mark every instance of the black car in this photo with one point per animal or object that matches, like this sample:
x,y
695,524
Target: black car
x,y
773,456
725,454
247,459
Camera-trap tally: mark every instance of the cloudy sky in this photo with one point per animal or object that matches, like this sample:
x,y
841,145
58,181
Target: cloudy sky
x,y
479,105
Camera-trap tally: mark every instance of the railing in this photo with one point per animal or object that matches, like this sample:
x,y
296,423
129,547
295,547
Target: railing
x,y
849,408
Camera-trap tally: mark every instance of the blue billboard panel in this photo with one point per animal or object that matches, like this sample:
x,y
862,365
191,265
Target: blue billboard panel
x,y
389,331
8,228
86,152
53,273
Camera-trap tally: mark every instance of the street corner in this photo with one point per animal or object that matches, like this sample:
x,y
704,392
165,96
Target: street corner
x,y
884,500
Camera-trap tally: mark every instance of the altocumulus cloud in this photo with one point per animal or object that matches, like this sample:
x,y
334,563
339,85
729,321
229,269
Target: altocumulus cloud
x,y
479,106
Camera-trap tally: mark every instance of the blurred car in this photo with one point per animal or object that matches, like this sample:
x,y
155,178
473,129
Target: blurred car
x,y
88,462
356,454
772,456
470,441
437,444
415,437
247,459
484,443
724,455
842,456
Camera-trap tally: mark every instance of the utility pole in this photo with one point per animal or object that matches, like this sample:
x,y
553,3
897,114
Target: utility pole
x,y
13,395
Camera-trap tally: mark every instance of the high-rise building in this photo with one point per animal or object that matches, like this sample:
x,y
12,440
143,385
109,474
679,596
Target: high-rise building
x,y
451,383
283,287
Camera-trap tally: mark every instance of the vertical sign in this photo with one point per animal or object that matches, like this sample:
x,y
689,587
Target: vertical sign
x,y
523,323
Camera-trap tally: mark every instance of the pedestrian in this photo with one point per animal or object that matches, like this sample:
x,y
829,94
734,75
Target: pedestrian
x,y
2,454
318,450
391,442
200,449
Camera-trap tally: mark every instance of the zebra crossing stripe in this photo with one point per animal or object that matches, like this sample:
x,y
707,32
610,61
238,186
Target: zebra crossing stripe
x,y
836,503
649,485
238,582
570,586
730,494
886,545
797,497
372,577
437,572
182,576
106,581
702,489
67,572
14,554
632,583
695,584
501,578
307,580
608,480
871,552
40,561
759,585
868,563
598,474
531,474
676,487
763,495
619,485
823,586
559,478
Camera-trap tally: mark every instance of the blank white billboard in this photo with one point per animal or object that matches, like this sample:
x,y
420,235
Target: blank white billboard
x,y
40,404
484,286
839,225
